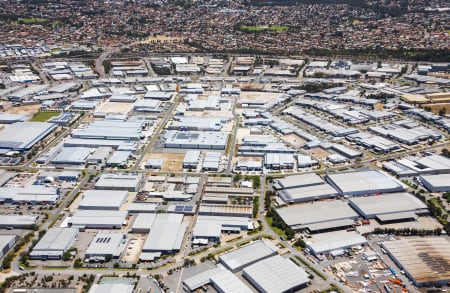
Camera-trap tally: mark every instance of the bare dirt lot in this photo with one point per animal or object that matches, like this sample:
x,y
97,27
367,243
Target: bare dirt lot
x,y
24,110
115,108
171,162
259,96
319,153
294,140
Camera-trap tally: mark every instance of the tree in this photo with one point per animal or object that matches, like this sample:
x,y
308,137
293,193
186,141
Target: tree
x,y
442,111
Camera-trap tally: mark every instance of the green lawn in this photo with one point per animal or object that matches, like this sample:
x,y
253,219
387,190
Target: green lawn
x,y
275,229
43,116
272,28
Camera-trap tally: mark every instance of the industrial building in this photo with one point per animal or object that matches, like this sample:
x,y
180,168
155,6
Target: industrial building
x,y
54,243
143,223
303,187
72,156
387,208
166,236
6,243
18,221
154,164
436,183
100,155
98,219
336,245
414,166
181,209
276,275
32,194
209,228
319,216
226,210
119,159
196,140
106,245
191,159
247,255
363,183
103,199
106,288
211,161
111,130
425,260
119,181
141,207
199,280
22,136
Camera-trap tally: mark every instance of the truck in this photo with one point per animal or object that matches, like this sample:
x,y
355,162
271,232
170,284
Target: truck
x,y
392,270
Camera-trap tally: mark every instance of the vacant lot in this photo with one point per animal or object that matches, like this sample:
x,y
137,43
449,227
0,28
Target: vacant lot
x,y
294,140
43,116
24,110
171,162
115,108
319,153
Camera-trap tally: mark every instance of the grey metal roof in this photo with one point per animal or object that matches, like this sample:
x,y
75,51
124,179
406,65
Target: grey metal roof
x,y
144,221
103,199
227,282
247,254
57,239
299,180
364,182
437,181
387,204
311,213
105,243
275,274
90,218
113,181
23,135
73,155
109,288
167,233
330,244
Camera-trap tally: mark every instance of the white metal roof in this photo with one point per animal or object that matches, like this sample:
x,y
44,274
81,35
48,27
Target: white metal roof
x,y
276,274
103,199
56,239
167,233
334,243
227,282
247,254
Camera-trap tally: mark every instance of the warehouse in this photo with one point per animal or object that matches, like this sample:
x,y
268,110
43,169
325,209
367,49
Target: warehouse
x,y
157,95
154,164
166,235
196,140
191,159
98,219
6,243
225,210
22,136
54,243
148,106
436,183
425,260
197,123
199,280
106,288
119,159
72,156
138,207
276,275
123,98
296,181
247,255
211,161
63,176
111,130
227,282
319,216
32,194
181,209
105,245
63,119
103,199
336,244
84,105
18,221
6,118
363,182
210,227
387,208
246,191
279,161
124,181
100,155
143,223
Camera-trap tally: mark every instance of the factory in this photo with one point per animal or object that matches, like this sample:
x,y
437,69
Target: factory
x,y
196,140
166,236
319,217
6,243
105,245
388,208
303,187
209,228
54,243
143,222
276,274
32,194
363,183
18,221
72,156
425,260
98,219
247,255
111,130
119,181
103,199
436,183
22,136
336,245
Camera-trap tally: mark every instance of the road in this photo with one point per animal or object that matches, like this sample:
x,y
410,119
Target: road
x,y
233,137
